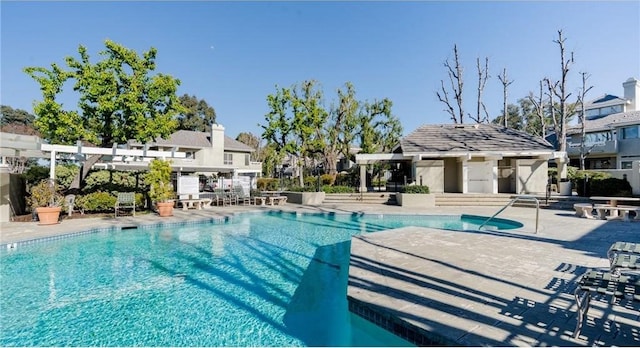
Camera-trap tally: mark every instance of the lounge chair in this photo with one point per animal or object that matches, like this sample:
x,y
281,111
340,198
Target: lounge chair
x,y
125,200
624,255
70,203
603,283
241,197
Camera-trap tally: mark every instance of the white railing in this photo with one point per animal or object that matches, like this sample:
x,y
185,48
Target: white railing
x,y
518,198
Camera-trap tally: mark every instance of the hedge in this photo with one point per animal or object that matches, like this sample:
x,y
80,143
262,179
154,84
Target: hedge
x,y
610,187
415,189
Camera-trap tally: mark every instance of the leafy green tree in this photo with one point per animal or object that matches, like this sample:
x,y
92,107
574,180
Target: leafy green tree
x,y
515,120
252,140
295,116
342,127
299,125
197,114
118,100
379,129
11,115
17,121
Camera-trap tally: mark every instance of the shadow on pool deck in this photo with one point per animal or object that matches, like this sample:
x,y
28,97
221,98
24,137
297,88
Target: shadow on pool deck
x,y
489,288
512,288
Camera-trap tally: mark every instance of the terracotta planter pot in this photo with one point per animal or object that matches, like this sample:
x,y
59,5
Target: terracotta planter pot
x,y
48,215
165,208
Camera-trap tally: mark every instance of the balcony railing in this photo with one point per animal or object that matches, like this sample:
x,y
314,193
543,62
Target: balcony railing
x,y
600,147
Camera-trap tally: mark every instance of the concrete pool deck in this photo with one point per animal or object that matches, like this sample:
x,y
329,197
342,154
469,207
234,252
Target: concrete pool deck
x,y
510,288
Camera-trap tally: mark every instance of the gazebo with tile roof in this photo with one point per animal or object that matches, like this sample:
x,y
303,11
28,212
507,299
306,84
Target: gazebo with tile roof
x,y
478,158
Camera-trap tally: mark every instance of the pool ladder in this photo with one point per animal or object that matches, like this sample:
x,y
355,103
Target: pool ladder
x,y
515,199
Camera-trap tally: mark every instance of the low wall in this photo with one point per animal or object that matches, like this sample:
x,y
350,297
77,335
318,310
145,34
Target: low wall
x,y
416,200
12,196
305,198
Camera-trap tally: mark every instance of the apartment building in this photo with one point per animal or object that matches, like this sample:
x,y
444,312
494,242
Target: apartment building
x,y
612,131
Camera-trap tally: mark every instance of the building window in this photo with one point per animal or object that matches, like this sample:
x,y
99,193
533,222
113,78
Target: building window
x,y
604,111
228,158
597,138
629,132
625,165
247,160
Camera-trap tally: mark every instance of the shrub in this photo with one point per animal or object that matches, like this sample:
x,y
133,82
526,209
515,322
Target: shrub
x,y
267,184
604,187
110,180
302,189
66,173
327,179
46,193
159,180
311,181
415,189
97,202
338,189
349,179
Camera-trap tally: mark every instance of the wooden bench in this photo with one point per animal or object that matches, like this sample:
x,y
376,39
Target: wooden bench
x,y
277,200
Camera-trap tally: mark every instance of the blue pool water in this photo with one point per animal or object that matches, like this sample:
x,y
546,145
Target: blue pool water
x,y
274,279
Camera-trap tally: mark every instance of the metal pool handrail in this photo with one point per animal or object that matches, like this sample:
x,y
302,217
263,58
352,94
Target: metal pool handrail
x,y
517,198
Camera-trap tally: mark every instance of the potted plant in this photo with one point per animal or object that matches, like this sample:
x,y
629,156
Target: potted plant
x,y
160,187
46,199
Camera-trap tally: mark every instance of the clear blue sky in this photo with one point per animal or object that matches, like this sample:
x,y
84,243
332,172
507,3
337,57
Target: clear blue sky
x,y
233,54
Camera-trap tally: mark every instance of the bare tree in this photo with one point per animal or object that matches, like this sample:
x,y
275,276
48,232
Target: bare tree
x,y
583,91
552,109
483,75
505,83
538,105
560,90
456,81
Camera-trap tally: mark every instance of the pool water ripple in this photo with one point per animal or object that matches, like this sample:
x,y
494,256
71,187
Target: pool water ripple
x,y
274,279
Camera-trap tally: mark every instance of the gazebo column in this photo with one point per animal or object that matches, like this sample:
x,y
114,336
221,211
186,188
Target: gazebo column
x,y
363,178
465,174
494,172
52,166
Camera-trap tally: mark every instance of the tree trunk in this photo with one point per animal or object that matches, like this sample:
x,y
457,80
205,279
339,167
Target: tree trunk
x,y
76,184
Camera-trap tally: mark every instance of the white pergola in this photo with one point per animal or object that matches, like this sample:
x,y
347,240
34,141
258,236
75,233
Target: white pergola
x,y
126,155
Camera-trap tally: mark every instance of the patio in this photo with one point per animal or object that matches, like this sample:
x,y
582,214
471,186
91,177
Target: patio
x,y
512,288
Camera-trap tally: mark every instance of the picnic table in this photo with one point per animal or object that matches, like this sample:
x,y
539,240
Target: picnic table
x,y
274,197
613,208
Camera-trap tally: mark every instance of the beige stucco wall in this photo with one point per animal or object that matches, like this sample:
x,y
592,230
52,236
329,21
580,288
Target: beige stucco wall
x,y
452,175
12,194
5,210
531,176
432,174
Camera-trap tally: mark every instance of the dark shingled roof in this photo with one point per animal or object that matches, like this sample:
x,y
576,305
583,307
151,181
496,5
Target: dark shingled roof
x,y
185,138
232,144
606,122
606,98
480,137
195,139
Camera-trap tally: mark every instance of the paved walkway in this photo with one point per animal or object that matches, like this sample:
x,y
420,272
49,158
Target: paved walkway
x,y
464,288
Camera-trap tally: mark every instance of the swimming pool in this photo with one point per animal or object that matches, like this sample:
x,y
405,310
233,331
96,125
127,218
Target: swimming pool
x,y
269,279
